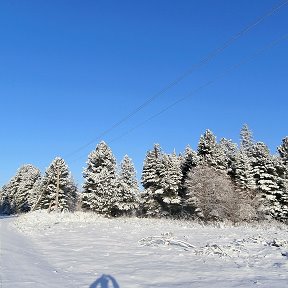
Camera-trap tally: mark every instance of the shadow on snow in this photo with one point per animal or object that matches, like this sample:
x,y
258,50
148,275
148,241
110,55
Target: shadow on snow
x,y
103,282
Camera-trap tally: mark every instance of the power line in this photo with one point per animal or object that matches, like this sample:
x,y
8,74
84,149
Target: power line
x,y
221,75
234,67
187,73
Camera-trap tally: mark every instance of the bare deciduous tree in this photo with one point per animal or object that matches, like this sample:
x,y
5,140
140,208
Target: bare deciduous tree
x,y
213,196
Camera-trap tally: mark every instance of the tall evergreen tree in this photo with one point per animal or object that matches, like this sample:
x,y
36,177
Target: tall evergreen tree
x,y
283,151
246,139
243,174
57,189
100,189
127,188
230,150
161,179
151,168
266,177
282,168
16,192
170,184
210,152
150,180
189,160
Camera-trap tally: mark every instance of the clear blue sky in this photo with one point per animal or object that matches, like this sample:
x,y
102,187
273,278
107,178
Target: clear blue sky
x,y
70,69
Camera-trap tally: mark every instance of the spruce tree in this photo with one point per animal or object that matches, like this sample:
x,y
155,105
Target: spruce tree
x,y
283,151
170,183
210,152
266,178
243,175
150,180
230,150
282,168
16,192
127,188
57,190
189,160
100,187
246,139
161,179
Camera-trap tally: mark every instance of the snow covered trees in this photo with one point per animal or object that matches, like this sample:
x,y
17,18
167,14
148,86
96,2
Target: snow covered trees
x,y
103,191
210,152
127,188
56,190
15,194
204,182
282,169
99,188
161,179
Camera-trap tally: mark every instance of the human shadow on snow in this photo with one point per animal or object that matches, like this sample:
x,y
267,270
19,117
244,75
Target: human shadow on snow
x,y
105,281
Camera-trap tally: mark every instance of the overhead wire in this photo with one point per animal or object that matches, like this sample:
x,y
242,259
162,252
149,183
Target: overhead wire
x,y
184,75
206,84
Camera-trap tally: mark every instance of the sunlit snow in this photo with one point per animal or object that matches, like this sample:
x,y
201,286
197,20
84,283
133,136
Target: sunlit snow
x,y
76,250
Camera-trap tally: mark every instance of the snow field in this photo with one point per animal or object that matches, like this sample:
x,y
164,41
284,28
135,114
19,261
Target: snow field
x,y
158,252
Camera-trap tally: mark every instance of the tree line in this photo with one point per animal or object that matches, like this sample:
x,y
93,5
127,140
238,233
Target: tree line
x,y
219,180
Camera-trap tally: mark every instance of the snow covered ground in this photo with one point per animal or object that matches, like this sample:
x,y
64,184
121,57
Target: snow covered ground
x,y
75,250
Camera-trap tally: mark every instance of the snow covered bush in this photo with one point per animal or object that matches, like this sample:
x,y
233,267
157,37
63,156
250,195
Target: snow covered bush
x,y
212,196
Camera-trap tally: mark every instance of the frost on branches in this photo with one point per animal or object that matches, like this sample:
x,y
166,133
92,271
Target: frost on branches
x,y
100,187
212,196
161,179
15,195
282,168
56,190
266,178
127,188
210,152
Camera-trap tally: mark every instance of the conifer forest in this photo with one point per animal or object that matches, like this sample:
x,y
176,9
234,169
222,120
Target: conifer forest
x,y
217,181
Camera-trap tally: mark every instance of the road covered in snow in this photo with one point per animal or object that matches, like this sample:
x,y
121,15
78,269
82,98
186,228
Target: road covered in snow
x,y
75,250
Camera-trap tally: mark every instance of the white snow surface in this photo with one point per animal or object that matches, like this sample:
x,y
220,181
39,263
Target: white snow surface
x,y
39,249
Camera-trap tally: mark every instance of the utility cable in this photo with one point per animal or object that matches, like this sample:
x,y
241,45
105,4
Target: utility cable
x,y
221,75
208,83
193,68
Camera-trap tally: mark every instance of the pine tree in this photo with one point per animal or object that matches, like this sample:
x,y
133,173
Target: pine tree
x,y
150,180
100,189
189,160
170,183
16,192
210,152
243,175
230,150
246,139
283,151
266,178
57,189
151,168
282,169
127,188
28,175
161,178
5,202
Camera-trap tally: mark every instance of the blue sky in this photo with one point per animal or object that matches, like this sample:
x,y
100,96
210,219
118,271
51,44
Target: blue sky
x,y
70,70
